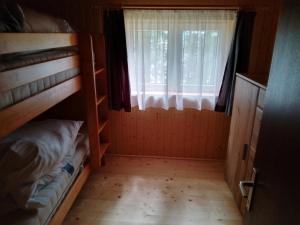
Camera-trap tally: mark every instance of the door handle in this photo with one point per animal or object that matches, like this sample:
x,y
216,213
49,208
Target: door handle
x,y
251,185
244,184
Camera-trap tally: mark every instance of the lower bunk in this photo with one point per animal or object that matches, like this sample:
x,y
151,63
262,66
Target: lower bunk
x,y
54,192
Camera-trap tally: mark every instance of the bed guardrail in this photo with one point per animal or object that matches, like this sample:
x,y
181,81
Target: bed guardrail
x,y
20,42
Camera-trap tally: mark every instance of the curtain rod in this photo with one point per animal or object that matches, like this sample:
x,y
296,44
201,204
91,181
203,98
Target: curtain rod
x,y
182,7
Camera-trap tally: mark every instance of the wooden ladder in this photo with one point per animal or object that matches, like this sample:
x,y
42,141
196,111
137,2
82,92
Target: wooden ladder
x,y
93,66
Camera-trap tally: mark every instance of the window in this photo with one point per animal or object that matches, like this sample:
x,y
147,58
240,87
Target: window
x,y
176,58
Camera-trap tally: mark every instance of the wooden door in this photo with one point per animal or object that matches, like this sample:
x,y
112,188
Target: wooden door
x,y
244,105
277,189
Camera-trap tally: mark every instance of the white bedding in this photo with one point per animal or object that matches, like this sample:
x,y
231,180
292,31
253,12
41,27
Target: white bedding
x,y
53,193
31,156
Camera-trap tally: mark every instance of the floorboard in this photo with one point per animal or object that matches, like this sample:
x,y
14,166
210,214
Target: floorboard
x,y
150,191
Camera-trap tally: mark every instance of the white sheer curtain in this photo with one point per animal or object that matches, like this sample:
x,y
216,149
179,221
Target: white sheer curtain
x,y
176,58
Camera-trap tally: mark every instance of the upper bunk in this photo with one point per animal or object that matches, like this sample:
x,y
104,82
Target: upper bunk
x,y
39,67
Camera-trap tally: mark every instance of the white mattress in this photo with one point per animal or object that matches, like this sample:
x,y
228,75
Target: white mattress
x,y
23,92
53,192
17,60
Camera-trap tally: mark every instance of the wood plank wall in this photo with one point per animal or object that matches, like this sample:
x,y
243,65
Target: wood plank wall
x,y
157,132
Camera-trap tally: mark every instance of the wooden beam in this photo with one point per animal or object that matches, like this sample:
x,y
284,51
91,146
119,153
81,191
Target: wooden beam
x,y
17,115
20,42
24,75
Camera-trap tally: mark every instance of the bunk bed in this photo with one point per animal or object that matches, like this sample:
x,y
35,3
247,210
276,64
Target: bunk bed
x,y
15,115
37,71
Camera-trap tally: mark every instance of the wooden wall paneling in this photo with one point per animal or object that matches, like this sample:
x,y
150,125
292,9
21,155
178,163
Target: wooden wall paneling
x,y
161,129
114,126
139,131
120,131
188,122
270,28
214,131
202,128
122,126
212,136
124,138
170,133
152,143
177,133
185,136
199,127
173,129
263,42
256,39
191,145
158,133
72,108
197,140
148,120
100,57
188,147
131,132
152,121
273,21
95,22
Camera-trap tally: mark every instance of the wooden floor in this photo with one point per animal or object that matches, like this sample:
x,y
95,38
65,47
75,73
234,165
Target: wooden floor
x,y
144,191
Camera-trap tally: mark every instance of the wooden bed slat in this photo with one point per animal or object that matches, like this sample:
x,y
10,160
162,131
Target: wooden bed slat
x,y
24,75
71,196
20,42
17,115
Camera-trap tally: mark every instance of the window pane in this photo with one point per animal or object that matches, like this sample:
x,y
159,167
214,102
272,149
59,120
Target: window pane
x,y
177,58
155,44
200,50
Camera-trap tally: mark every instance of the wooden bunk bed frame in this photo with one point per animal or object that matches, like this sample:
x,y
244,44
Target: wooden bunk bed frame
x,y
20,113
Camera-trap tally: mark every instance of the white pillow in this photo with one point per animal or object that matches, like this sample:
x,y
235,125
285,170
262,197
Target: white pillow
x,y
43,23
32,152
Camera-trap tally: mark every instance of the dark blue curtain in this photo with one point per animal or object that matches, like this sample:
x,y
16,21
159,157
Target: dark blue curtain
x,y
116,56
238,60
